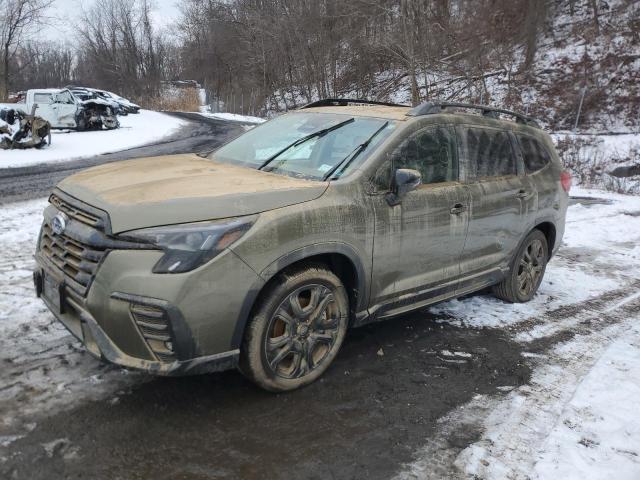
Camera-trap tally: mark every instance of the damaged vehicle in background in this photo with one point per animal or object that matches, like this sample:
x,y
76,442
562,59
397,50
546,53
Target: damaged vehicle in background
x,y
62,109
122,105
21,131
85,94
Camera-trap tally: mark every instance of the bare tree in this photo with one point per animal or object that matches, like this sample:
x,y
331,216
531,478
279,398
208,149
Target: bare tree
x,y
17,19
120,50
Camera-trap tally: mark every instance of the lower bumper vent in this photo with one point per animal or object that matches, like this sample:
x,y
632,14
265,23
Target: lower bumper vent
x,y
153,323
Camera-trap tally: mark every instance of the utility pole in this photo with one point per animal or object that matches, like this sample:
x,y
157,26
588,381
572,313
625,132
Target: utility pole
x,y
584,91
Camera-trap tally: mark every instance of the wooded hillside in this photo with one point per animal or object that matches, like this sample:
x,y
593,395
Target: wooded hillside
x,y
256,56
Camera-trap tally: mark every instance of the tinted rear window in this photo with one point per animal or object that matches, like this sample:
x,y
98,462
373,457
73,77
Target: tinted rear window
x,y
490,153
535,155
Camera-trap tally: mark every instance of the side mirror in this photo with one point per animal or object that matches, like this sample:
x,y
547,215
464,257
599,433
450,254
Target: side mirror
x,y
404,181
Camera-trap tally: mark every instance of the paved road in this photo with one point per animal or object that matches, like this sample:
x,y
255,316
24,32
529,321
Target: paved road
x,y
202,135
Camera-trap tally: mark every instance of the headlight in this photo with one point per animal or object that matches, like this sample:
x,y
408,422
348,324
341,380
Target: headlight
x,y
189,245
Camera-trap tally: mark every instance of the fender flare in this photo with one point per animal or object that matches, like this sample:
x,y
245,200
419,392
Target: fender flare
x,y
541,219
290,258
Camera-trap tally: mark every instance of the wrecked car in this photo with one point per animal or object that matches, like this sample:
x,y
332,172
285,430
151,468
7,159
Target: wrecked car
x,y
120,104
21,131
126,106
63,110
263,254
85,94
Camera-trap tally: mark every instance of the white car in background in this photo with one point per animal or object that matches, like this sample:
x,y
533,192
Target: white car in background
x,y
63,110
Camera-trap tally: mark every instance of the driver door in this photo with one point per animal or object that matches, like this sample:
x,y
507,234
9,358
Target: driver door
x,y
419,241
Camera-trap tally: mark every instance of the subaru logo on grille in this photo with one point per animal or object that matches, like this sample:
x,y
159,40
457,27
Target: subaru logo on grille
x,y
59,223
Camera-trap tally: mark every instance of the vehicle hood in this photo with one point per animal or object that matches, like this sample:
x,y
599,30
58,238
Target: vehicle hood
x,y
183,188
97,101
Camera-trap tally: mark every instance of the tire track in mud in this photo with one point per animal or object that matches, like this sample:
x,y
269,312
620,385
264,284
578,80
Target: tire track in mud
x,y
565,318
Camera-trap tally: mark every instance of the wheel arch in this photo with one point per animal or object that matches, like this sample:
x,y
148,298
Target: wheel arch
x,y
342,259
549,230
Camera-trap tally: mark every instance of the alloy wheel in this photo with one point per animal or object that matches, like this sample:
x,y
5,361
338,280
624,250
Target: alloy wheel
x,y
530,267
302,331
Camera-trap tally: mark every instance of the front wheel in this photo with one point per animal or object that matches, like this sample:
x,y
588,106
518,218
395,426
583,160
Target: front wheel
x,y
296,331
527,270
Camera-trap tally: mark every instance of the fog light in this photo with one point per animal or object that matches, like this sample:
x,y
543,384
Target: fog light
x,y
169,346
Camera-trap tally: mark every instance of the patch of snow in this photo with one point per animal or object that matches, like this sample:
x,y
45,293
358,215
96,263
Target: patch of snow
x,y
598,431
135,130
232,117
43,367
449,353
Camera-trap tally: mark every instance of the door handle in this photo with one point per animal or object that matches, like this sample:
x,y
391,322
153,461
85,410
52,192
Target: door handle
x,y
458,208
523,194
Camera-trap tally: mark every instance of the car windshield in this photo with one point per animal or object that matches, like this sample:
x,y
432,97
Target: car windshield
x,y
313,158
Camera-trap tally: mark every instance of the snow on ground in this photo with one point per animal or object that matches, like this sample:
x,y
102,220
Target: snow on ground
x,y
135,130
577,415
42,366
598,430
234,117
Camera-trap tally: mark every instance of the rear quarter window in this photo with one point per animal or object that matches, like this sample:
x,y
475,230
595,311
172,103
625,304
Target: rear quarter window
x,y
534,153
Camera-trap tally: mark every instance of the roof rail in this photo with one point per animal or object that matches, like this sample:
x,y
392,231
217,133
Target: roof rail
x,y
430,108
343,102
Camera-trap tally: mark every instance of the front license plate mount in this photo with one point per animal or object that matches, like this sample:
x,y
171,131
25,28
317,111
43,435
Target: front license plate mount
x,y
53,291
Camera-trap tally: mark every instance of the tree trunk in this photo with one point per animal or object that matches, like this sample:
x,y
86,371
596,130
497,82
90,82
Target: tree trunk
x,y
596,20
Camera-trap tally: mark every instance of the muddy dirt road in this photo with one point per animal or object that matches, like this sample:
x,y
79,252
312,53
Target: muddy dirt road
x,y
361,421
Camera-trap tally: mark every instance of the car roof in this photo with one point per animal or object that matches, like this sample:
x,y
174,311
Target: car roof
x,y
49,90
399,113
379,111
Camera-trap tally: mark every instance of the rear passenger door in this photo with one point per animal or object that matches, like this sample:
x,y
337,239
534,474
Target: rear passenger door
x,y
497,212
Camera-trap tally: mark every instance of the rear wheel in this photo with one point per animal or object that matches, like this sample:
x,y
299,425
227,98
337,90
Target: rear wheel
x,y
296,331
527,270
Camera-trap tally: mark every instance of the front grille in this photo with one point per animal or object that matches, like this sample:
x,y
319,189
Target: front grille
x,y
77,261
76,213
154,326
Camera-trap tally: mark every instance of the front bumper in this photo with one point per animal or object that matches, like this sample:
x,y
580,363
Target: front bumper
x,y
72,313
104,291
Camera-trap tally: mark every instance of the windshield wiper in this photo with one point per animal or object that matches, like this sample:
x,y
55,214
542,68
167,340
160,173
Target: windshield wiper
x,y
319,133
354,153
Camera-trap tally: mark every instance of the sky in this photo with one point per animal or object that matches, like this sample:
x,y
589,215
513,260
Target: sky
x,y
64,12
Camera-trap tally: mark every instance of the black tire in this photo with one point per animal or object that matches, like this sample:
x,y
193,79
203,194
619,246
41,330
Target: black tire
x,y
285,348
527,270
81,123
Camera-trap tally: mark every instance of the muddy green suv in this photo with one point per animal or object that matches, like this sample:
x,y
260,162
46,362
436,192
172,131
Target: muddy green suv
x,y
332,216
